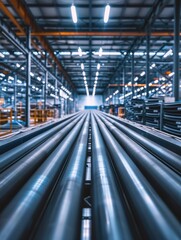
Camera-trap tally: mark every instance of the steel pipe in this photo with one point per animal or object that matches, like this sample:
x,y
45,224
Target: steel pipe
x,y
159,137
10,143
165,181
110,214
16,153
165,155
17,174
154,219
20,216
64,208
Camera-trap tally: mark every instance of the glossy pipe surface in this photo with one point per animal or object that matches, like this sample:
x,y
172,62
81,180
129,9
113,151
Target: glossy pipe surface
x,y
110,216
170,158
16,175
165,181
19,217
16,140
16,153
153,217
64,208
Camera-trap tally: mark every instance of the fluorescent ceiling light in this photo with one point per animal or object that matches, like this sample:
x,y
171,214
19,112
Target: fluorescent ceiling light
x,y
98,66
18,53
171,74
38,78
17,65
106,13
32,74
100,52
65,53
83,73
96,78
74,14
106,53
80,52
84,78
136,78
142,74
82,66
168,53
97,74
1,55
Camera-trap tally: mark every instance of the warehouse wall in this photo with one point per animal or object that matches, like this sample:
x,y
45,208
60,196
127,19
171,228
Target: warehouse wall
x,y
83,101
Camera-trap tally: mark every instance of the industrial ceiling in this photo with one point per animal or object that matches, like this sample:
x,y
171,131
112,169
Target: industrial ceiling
x,y
90,52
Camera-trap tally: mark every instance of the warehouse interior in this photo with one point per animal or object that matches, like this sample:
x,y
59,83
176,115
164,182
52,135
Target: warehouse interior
x,y
90,119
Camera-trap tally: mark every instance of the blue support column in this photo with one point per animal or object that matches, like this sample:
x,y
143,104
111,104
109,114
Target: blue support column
x,y
177,7
46,83
147,63
15,96
28,77
132,74
124,79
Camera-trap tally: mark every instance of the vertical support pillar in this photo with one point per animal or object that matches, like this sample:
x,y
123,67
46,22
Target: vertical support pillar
x,y
177,6
124,79
28,77
147,62
46,83
15,96
132,74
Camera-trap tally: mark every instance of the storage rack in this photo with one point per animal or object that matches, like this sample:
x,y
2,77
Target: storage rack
x,y
172,118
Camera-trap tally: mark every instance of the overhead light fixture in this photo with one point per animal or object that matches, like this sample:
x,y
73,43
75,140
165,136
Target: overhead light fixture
x,y
97,74
96,78
84,78
2,55
100,52
107,54
106,13
142,74
171,74
83,73
136,78
74,14
80,52
32,74
82,66
98,66
168,53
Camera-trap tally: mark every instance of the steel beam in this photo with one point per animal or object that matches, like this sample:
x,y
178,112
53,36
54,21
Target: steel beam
x,y
147,79
132,73
28,78
102,34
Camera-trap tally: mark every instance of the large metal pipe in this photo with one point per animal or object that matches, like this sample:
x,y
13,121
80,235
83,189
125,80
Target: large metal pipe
x,y
165,181
64,208
16,153
110,214
165,155
17,174
20,216
154,219
159,137
16,140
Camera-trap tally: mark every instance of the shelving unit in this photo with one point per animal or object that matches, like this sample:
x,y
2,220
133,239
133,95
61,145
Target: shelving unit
x,y
172,118
153,115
